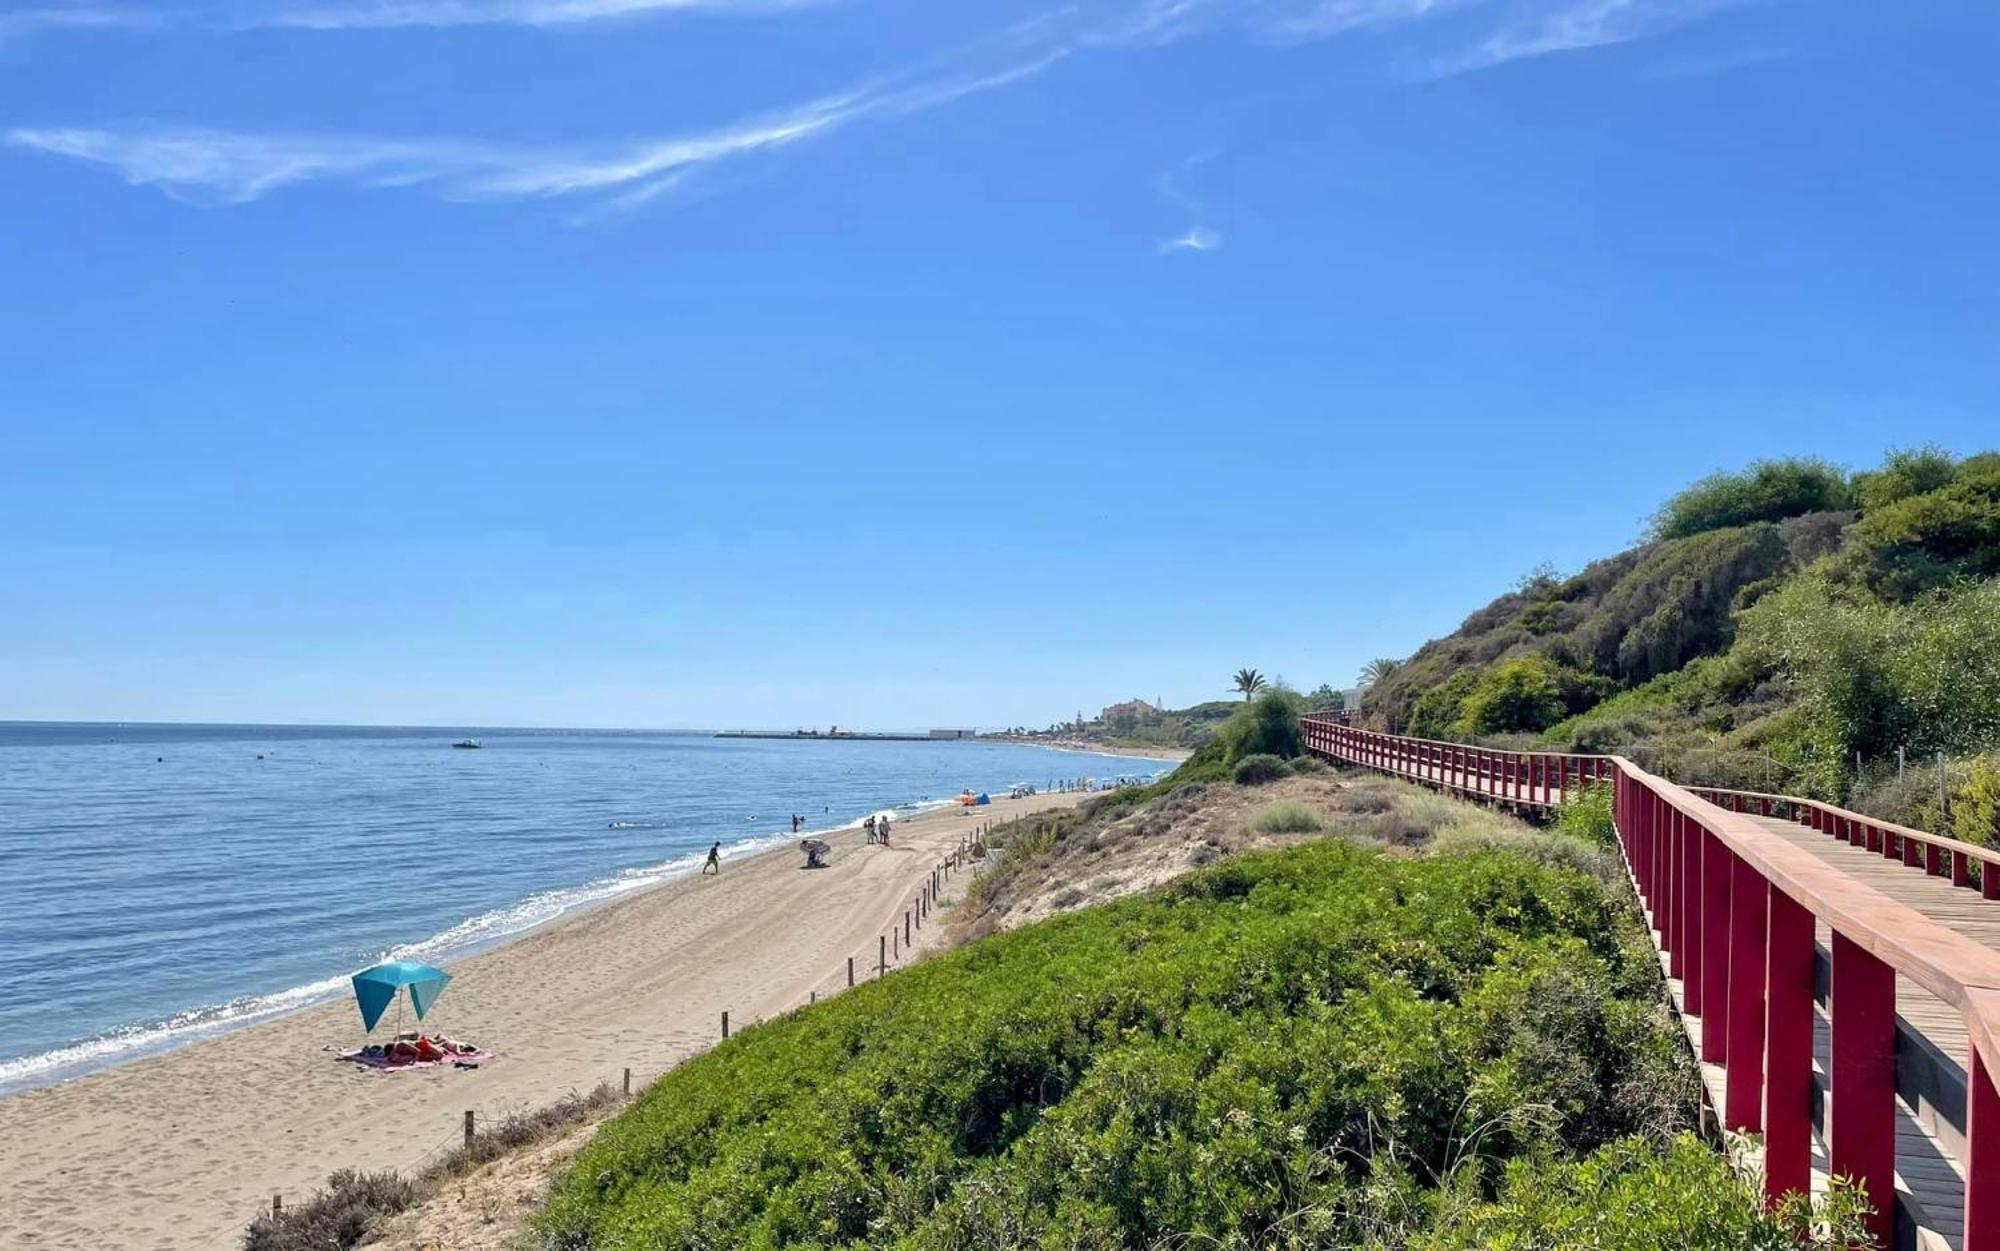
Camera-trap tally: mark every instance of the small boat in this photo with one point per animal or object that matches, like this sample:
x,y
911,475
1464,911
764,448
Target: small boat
x,y
470,744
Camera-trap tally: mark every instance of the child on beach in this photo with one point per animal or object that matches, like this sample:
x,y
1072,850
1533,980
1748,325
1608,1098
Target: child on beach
x,y
714,864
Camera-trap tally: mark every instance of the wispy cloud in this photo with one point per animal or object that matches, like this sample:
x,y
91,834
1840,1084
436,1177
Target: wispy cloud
x,y
1175,187
210,166
28,21
221,166
1197,239
387,14
1541,30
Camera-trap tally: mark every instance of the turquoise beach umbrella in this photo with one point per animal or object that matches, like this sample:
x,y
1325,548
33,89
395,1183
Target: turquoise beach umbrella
x,y
375,988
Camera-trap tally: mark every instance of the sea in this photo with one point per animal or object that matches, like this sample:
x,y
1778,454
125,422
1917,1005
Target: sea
x,y
165,883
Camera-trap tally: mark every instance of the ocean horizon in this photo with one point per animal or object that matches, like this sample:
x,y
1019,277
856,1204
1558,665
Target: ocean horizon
x,y
163,882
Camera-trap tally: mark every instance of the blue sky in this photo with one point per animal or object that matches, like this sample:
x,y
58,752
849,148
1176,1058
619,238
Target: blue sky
x,y
604,362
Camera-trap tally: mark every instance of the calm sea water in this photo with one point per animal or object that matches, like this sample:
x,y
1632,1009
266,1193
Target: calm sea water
x,y
162,883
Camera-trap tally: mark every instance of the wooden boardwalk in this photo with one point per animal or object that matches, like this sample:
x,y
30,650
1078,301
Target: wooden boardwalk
x,y
1898,916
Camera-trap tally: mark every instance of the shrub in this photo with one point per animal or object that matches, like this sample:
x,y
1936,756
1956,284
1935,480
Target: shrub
x,y
336,1218
1266,725
1261,768
1904,472
1586,814
1956,526
1643,1194
1769,490
522,1129
1518,694
1198,1065
1874,676
1972,791
1677,601
1436,712
1288,816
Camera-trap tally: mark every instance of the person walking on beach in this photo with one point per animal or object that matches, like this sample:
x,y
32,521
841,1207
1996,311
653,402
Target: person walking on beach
x,y
714,864
869,825
882,829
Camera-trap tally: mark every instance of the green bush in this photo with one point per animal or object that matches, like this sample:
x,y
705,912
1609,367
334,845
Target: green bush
x,y
1261,768
1519,694
1436,712
1644,1194
1769,490
1288,816
1904,472
1872,676
1586,814
1245,1058
1957,525
1266,725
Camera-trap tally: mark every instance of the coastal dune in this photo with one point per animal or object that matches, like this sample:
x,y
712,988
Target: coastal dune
x,y
182,1150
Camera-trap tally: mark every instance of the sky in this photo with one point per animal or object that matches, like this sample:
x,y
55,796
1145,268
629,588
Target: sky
x,y
788,362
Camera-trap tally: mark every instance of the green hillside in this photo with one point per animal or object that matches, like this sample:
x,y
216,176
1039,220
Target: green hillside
x,y
1787,627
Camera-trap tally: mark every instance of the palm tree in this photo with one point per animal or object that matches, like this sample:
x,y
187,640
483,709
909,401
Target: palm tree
x,y
1249,681
1378,670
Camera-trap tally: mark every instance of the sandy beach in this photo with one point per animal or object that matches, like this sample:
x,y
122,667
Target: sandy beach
x,y
182,1150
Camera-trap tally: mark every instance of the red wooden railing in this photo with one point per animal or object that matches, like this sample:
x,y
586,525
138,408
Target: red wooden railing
x,y
1733,909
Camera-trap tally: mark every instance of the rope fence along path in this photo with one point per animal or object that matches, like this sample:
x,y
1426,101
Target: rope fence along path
x,y
1838,976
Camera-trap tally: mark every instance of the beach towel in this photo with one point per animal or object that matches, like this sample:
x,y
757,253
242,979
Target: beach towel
x,y
379,1061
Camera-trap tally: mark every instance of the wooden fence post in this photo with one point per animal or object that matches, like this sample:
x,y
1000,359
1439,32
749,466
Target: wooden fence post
x,y
850,970
881,954
469,1131
725,1025
628,1081
277,1206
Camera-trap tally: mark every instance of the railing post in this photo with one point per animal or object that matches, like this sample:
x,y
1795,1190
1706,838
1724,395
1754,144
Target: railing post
x,y
1861,1143
1706,991
1687,930
1788,1047
1666,825
1982,1164
1748,902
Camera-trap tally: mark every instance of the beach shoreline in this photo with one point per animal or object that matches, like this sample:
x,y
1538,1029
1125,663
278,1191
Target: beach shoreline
x,y
1140,751
181,1149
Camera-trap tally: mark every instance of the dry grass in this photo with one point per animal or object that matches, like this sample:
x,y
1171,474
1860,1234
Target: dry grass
x,y
1053,862
355,1205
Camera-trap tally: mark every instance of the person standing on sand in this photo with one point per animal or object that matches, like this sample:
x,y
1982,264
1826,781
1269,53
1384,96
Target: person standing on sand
x,y
882,829
869,825
714,864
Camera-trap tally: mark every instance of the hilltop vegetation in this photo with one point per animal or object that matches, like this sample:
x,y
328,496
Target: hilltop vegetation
x,y
1786,627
